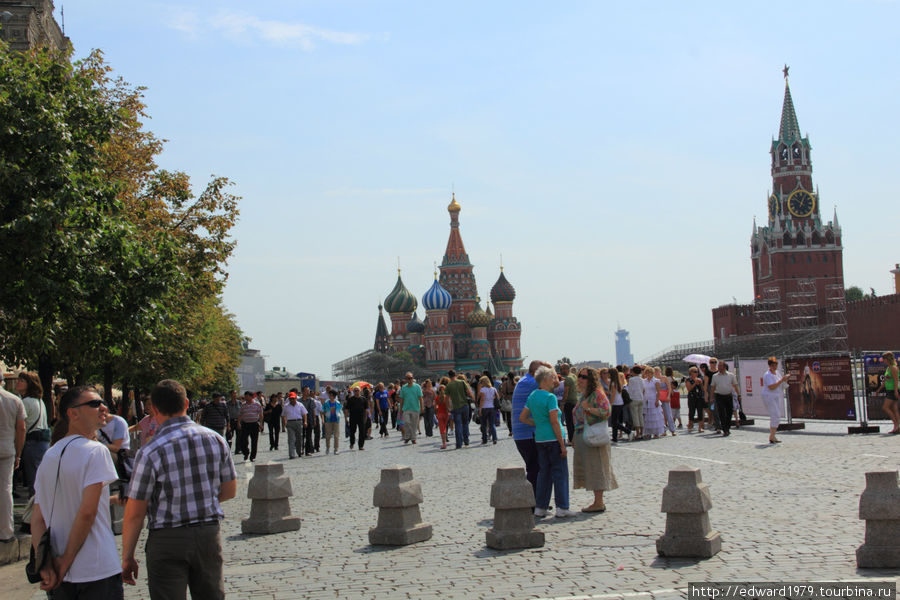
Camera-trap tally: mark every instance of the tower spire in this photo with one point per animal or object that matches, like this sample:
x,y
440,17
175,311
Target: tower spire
x,y
790,129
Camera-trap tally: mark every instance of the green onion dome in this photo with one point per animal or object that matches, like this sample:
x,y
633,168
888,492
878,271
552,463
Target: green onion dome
x,y
400,300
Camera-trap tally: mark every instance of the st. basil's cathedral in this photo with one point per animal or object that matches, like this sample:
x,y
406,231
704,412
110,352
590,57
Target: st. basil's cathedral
x,y
456,332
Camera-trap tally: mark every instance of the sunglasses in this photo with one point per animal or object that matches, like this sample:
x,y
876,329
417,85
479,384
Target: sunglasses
x,y
91,403
583,376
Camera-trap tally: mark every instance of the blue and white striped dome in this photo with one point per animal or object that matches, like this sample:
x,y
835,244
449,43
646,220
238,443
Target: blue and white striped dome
x,y
436,298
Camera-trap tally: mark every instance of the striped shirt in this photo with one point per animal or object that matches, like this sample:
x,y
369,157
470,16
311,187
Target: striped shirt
x,y
179,473
251,412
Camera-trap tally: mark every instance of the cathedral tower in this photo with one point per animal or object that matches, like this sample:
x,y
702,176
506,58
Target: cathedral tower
x,y
505,332
458,279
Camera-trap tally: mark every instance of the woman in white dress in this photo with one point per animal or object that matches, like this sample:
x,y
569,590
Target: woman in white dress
x,y
653,416
773,395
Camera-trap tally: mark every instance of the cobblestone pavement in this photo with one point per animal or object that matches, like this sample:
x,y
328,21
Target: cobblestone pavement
x,y
786,512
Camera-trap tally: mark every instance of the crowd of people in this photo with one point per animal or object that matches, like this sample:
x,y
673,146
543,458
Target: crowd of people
x,y
184,468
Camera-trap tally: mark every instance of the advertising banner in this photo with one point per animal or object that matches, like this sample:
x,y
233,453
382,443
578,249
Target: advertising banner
x,y
873,370
750,373
821,387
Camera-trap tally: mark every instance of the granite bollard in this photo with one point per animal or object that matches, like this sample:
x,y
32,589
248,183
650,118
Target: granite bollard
x,y
397,497
513,500
879,506
270,507
686,502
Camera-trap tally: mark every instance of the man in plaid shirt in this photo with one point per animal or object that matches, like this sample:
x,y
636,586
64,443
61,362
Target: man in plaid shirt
x,y
179,480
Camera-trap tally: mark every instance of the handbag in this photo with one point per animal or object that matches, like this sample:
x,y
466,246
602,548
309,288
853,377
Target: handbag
x,y
596,435
124,462
626,397
40,558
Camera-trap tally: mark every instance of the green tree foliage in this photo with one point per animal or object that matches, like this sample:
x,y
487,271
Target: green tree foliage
x,y
853,293
113,264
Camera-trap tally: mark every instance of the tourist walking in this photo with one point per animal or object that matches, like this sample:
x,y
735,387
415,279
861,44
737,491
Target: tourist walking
x,y
891,386
272,418
459,392
724,385
773,396
382,409
214,416
312,420
180,480
507,387
12,441
442,405
666,386
72,499
234,421
712,415
251,419
542,412
653,416
613,380
37,426
331,415
428,395
696,389
355,407
487,397
636,393
570,397
591,465
412,405
293,419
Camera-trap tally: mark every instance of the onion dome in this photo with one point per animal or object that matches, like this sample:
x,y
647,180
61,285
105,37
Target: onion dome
x,y
478,318
454,205
436,298
400,300
415,325
503,291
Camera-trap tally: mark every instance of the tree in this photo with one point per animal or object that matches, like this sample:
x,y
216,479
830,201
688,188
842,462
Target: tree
x,y
564,360
853,293
116,262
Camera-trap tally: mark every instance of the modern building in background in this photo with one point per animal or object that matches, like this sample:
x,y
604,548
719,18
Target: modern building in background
x,y
252,370
27,24
623,347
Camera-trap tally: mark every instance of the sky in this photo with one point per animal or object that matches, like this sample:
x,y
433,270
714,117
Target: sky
x,y
615,154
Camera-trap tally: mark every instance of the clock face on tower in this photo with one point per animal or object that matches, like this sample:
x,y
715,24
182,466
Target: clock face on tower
x,y
773,207
801,203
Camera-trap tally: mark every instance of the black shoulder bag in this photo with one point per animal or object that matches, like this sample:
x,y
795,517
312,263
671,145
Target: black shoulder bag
x,y
124,462
39,559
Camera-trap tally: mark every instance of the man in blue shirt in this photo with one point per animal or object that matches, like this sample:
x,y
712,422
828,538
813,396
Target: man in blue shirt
x,y
523,434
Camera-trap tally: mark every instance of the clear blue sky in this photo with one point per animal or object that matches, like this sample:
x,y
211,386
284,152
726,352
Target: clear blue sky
x,y
614,153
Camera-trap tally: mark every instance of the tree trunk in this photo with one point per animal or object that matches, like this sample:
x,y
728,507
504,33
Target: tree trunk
x,y
45,374
125,406
107,384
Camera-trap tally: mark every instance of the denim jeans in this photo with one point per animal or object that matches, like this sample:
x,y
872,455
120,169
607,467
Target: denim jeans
x,y
429,421
528,451
553,475
488,429
461,425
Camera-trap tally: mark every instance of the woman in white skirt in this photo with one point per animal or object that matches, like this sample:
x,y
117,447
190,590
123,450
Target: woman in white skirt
x,y
773,395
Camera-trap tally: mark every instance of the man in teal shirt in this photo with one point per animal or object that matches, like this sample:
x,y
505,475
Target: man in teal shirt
x,y
411,405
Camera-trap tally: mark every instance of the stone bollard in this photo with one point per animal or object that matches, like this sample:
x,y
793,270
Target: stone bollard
x,y
513,500
686,502
270,507
879,505
398,497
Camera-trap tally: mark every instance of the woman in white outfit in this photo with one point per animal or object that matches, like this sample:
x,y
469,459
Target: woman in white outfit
x,y
773,394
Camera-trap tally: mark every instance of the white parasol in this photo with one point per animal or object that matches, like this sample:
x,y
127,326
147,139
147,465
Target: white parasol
x,y
696,359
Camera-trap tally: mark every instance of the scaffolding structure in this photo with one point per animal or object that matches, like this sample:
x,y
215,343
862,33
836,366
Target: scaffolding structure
x,y
767,312
836,315
802,306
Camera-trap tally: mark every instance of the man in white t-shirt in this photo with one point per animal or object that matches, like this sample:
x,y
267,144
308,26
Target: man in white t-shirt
x,y
722,389
72,497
